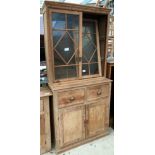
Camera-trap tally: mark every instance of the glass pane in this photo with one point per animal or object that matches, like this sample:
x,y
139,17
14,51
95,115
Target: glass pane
x,y
66,44
72,21
85,41
58,60
94,58
65,72
72,71
60,73
90,54
84,29
75,36
58,21
89,27
85,69
92,38
84,59
88,51
73,60
94,69
56,36
66,47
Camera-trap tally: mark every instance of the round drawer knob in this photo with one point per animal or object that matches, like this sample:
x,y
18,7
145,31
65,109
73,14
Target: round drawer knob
x,y
72,98
99,92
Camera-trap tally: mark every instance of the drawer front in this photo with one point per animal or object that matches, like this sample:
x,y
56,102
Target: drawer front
x,y
71,97
95,92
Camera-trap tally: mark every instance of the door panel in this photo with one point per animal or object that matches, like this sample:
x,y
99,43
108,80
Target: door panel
x,y
71,125
90,49
65,36
96,117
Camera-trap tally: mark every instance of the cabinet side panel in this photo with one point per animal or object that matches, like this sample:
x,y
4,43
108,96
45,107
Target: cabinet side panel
x,y
47,123
56,120
103,34
108,108
45,130
47,41
42,133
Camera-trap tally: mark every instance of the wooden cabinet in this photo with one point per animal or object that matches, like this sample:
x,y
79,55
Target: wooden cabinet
x,y
76,51
84,118
45,130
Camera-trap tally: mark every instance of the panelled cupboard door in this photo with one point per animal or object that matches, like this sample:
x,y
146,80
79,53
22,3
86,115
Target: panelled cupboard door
x,y
71,125
96,115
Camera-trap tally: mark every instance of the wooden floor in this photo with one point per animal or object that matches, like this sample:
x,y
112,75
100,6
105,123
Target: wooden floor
x,y
103,146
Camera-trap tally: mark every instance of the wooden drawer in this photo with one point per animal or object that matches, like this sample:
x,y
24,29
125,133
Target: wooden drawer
x,y
95,92
71,97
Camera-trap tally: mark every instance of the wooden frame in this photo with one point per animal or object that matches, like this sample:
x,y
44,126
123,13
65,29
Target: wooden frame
x,y
45,132
79,65
97,50
51,7
51,32
75,7
45,129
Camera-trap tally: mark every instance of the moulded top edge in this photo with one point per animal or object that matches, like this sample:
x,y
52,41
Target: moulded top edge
x,y
75,7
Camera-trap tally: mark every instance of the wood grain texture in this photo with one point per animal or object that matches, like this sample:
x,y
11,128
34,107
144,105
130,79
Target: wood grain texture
x,y
74,7
98,91
78,83
100,15
98,49
45,91
78,123
103,34
45,131
48,43
71,125
96,115
70,97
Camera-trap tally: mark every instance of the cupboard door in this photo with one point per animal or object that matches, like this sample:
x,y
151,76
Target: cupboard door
x,y
65,36
71,125
96,115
